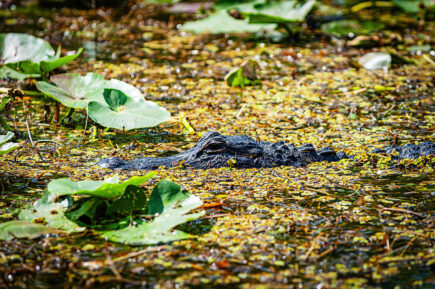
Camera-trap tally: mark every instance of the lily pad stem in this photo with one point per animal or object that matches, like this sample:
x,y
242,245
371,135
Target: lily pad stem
x,y
68,115
4,124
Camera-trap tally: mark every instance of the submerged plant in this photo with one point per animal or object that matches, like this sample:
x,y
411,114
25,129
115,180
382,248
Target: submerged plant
x,y
24,56
118,211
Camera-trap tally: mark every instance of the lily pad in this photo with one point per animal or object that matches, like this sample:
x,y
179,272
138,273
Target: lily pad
x,y
53,214
414,6
125,113
74,90
6,147
375,60
23,229
280,12
107,189
28,56
172,206
344,27
52,211
105,205
222,22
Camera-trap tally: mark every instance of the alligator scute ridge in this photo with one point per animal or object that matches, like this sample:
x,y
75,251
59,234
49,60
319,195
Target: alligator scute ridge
x,y
215,150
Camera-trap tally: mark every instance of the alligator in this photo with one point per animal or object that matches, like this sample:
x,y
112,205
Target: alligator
x,y
215,150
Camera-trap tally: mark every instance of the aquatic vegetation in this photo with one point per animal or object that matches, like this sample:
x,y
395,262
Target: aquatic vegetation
x,y
23,229
74,90
24,56
111,103
252,16
6,147
126,113
363,222
244,75
118,211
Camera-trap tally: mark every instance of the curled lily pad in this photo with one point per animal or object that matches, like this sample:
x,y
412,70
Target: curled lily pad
x,y
125,113
24,56
23,229
74,90
6,147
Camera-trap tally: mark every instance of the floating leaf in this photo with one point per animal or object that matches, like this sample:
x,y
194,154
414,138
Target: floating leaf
x,y
122,112
221,22
376,60
344,27
53,214
52,211
27,56
17,47
281,12
126,88
103,205
109,188
7,72
23,229
74,90
6,147
173,204
413,6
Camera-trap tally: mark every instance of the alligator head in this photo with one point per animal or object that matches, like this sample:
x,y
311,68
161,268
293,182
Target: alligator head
x,y
214,150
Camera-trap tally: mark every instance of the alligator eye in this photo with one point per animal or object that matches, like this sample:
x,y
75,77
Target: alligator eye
x,y
215,147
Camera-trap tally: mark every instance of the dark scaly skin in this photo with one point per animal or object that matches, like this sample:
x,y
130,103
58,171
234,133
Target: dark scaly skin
x,y
214,150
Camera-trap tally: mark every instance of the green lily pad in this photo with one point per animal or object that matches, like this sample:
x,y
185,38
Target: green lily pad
x,y
27,56
105,206
125,113
23,229
222,22
74,90
280,12
53,214
17,47
344,27
109,188
52,211
413,6
6,147
126,88
7,72
172,205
